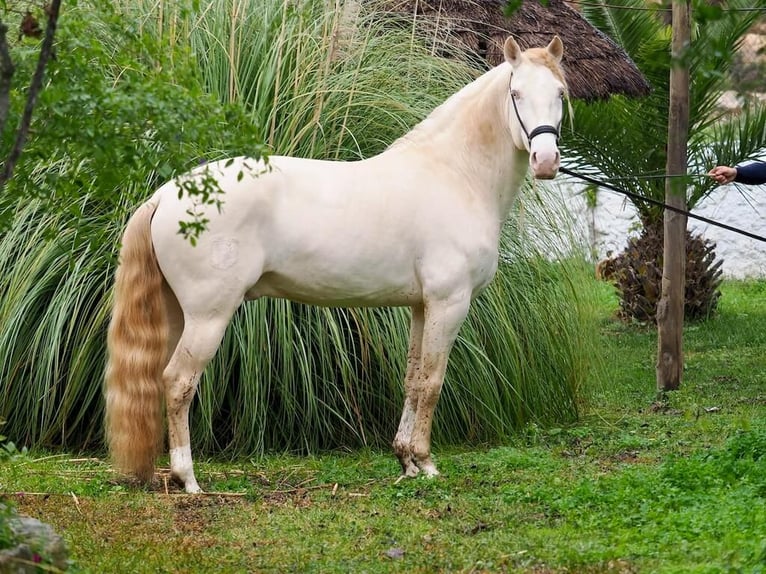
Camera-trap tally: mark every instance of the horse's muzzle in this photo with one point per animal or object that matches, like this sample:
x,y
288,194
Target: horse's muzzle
x,y
545,164
546,175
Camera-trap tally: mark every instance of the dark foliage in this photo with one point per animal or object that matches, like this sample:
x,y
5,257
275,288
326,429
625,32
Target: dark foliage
x,y
637,275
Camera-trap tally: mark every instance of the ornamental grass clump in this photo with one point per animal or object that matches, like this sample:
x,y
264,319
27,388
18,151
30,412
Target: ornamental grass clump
x,y
240,77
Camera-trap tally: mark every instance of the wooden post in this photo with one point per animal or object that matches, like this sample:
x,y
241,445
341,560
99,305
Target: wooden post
x,y
670,310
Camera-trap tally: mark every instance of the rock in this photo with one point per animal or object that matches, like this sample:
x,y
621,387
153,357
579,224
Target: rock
x,y
395,553
17,560
36,543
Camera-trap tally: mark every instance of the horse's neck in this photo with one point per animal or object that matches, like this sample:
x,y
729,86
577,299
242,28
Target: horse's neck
x,y
469,135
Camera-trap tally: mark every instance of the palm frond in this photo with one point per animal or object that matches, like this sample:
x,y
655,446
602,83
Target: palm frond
x,y
622,138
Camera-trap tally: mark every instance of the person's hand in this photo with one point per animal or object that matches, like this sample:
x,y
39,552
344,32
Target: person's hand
x,y
723,173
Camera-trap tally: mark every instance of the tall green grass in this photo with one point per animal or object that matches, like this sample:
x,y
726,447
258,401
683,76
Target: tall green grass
x,y
53,315
329,79
332,377
291,376
319,83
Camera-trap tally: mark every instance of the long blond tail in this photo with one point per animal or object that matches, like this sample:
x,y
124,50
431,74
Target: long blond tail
x,y
137,344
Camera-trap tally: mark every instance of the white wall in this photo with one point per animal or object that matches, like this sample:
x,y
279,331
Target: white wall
x,y
742,206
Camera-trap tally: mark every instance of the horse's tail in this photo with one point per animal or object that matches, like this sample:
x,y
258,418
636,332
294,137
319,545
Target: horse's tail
x,y
137,348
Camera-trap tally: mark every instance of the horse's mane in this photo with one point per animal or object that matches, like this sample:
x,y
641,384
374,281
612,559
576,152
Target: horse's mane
x,y
460,102
452,105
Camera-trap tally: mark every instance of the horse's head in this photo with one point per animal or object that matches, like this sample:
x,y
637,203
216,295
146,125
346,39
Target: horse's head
x,y
535,103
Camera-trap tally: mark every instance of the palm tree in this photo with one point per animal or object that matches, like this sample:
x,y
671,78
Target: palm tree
x,y
627,139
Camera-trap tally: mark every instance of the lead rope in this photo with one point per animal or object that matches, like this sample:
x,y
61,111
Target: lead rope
x,y
664,205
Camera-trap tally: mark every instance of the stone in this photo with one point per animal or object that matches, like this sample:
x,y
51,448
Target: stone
x,y
36,543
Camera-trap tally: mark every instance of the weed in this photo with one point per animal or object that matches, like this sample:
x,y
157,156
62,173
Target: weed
x,y
7,535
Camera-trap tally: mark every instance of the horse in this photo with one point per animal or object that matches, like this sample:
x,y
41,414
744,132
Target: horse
x,y
417,225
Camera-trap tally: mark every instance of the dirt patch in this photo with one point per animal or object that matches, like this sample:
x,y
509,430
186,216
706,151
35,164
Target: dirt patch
x,y
196,514
297,498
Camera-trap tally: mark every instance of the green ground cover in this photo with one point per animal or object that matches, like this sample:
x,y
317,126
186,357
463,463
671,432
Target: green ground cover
x,y
635,486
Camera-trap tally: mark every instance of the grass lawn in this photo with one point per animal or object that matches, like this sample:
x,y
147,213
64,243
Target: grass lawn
x,y
635,486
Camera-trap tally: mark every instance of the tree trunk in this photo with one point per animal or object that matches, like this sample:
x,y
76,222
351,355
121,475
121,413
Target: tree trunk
x,y
670,310
6,75
46,53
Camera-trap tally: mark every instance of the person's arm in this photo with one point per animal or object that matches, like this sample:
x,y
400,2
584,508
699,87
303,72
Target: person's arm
x,y
752,173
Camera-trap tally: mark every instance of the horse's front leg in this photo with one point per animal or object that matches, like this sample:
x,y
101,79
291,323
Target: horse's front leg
x,y
403,439
442,321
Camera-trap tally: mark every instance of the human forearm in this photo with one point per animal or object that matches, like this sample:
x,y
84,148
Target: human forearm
x,y
752,173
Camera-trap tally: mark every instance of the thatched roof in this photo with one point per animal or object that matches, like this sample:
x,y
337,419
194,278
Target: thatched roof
x,y
595,66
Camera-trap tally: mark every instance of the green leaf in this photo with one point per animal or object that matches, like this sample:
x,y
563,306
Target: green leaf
x,y
704,12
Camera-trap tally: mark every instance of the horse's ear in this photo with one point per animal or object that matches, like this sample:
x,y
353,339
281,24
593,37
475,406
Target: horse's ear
x,y
511,50
556,48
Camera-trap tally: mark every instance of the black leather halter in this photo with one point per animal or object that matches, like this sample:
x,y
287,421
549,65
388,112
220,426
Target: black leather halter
x,y
542,129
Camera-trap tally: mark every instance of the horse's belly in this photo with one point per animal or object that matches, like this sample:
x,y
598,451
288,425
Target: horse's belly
x,y
337,287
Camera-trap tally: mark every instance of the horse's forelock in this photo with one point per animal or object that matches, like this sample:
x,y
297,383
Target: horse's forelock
x,y
543,57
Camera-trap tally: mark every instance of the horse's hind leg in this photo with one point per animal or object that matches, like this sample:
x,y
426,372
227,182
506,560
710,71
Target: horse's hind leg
x,y
403,438
175,319
199,341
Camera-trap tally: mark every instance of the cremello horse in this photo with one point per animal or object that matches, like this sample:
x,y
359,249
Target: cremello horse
x,y
417,225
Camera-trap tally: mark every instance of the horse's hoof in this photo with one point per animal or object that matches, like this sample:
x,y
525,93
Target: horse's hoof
x,y
411,471
189,484
193,489
429,469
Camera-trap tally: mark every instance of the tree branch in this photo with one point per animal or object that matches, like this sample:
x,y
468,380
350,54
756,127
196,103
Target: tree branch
x,y
46,51
6,74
